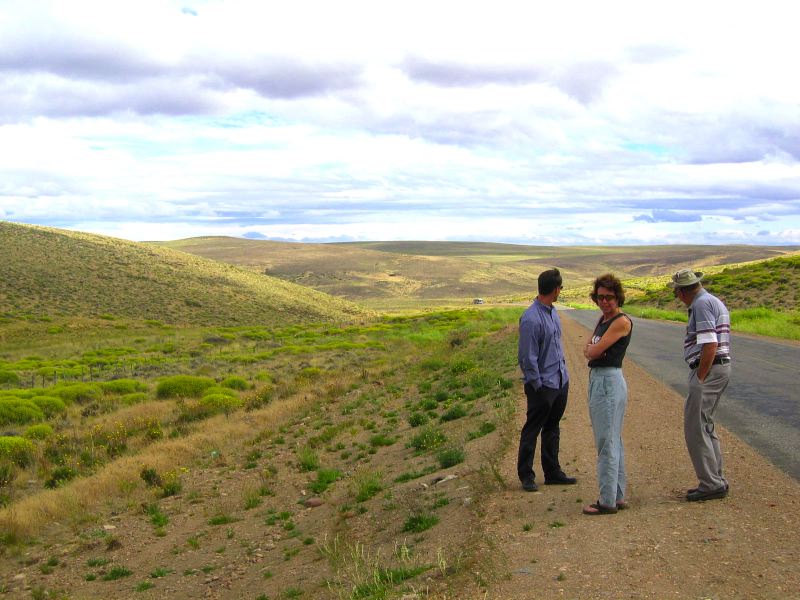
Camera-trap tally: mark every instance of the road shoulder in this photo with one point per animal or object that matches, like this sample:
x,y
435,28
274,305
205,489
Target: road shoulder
x,y
744,546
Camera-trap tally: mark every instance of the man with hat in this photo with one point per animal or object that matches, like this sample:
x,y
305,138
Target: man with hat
x,y
706,350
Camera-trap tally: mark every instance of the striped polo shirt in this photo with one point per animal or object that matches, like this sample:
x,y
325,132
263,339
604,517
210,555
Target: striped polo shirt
x,y
709,321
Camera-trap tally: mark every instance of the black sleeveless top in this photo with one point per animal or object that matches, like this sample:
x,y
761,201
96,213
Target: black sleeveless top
x,y
614,355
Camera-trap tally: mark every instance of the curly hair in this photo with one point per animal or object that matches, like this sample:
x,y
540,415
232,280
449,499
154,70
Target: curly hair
x,y
610,282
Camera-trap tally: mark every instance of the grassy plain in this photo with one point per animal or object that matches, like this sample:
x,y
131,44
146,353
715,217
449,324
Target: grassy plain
x,y
143,475
148,448
174,425
420,274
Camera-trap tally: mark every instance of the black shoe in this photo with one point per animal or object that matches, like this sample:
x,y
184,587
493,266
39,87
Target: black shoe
x,y
529,485
560,479
698,495
695,490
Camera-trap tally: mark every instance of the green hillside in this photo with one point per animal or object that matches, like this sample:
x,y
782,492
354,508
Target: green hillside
x,y
773,284
51,272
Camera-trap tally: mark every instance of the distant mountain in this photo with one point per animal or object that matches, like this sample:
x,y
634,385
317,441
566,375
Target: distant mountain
x,y
49,272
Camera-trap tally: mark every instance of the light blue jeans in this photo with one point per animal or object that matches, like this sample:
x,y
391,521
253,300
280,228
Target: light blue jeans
x,y
608,397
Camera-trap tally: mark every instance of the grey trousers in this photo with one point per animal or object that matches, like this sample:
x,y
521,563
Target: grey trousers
x,y
698,426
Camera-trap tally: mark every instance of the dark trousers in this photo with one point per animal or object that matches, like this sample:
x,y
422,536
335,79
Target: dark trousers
x,y
545,408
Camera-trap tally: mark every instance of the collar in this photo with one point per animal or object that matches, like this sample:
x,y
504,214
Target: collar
x,y
701,292
543,306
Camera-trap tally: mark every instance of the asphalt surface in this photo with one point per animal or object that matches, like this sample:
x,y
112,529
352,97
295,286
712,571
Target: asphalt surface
x,y
762,402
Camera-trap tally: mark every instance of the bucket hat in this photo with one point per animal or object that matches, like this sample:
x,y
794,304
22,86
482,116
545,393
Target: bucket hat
x,y
685,278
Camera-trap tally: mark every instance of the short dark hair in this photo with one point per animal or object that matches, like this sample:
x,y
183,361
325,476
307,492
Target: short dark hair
x,y
549,280
610,282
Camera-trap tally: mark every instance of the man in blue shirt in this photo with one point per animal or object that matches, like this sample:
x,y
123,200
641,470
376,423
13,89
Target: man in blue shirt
x,y
544,370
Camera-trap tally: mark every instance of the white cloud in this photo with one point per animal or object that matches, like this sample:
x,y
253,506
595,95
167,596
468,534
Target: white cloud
x,y
573,122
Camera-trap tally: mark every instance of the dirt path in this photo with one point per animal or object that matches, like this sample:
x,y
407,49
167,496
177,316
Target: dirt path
x,y
745,546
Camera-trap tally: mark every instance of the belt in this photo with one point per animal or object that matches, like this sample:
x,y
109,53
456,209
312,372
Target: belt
x,y
718,360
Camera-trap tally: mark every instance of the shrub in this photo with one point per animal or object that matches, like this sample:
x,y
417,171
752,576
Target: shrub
x,y
418,523
49,405
416,419
8,377
40,431
183,386
235,383
367,485
19,411
485,428
462,366
134,398
325,477
220,403
450,457
151,477
7,472
192,411
307,459
309,373
428,439
123,386
117,573
16,449
454,412
428,404
505,384
218,389
381,440
78,392
170,483
261,397
59,476
432,364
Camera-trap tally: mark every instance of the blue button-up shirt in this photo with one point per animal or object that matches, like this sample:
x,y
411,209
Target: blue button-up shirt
x,y
540,355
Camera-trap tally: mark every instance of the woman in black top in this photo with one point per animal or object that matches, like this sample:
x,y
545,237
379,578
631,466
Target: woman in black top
x,y
608,393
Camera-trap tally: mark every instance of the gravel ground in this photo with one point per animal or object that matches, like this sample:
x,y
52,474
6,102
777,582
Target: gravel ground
x,y
744,546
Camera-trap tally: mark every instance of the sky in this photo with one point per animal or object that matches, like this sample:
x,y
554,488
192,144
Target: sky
x,y
558,123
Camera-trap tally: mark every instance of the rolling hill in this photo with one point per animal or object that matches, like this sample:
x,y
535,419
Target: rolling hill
x,y
773,283
430,271
52,272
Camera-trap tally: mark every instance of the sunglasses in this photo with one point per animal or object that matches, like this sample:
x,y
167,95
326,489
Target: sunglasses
x,y
606,297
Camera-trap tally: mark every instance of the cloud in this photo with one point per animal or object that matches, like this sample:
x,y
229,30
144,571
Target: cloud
x,y
452,74
668,216
582,81
585,81
286,78
648,54
355,120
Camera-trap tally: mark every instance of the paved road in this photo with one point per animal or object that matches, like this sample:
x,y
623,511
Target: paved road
x,y
762,402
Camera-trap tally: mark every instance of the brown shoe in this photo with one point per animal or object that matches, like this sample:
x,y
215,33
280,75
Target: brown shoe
x,y
599,509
